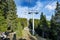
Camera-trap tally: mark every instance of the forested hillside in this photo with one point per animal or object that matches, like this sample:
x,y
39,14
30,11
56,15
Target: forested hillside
x,y
14,28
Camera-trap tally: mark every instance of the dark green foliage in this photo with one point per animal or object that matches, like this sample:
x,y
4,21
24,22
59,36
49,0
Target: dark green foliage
x,y
30,24
8,18
44,25
23,22
8,14
36,22
19,28
3,23
53,28
43,22
10,21
11,14
52,23
55,24
41,26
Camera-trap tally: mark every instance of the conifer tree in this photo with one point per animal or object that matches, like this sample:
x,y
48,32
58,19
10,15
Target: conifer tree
x,y
3,23
8,9
57,19
53,28
57,14
43,24
55,23
11,14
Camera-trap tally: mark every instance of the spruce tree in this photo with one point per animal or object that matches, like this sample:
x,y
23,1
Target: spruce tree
x,y
53,28
43,24
11,14
3,23
55,23
57,14
57,20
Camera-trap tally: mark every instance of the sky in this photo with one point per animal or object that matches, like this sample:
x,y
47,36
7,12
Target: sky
x,y
26,6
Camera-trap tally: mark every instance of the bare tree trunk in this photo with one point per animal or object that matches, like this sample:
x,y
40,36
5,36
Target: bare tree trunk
x,y
43,34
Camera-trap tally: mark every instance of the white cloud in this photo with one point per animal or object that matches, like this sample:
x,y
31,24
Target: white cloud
x,y
51,6
37,7
21,11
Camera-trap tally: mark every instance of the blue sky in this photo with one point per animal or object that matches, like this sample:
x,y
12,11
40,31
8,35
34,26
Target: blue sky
x,y
45,6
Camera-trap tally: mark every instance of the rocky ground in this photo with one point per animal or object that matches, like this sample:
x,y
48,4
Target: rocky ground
x,y
26,35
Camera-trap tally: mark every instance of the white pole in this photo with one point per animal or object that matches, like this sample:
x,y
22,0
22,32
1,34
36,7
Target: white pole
x,y
27,18
33,24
